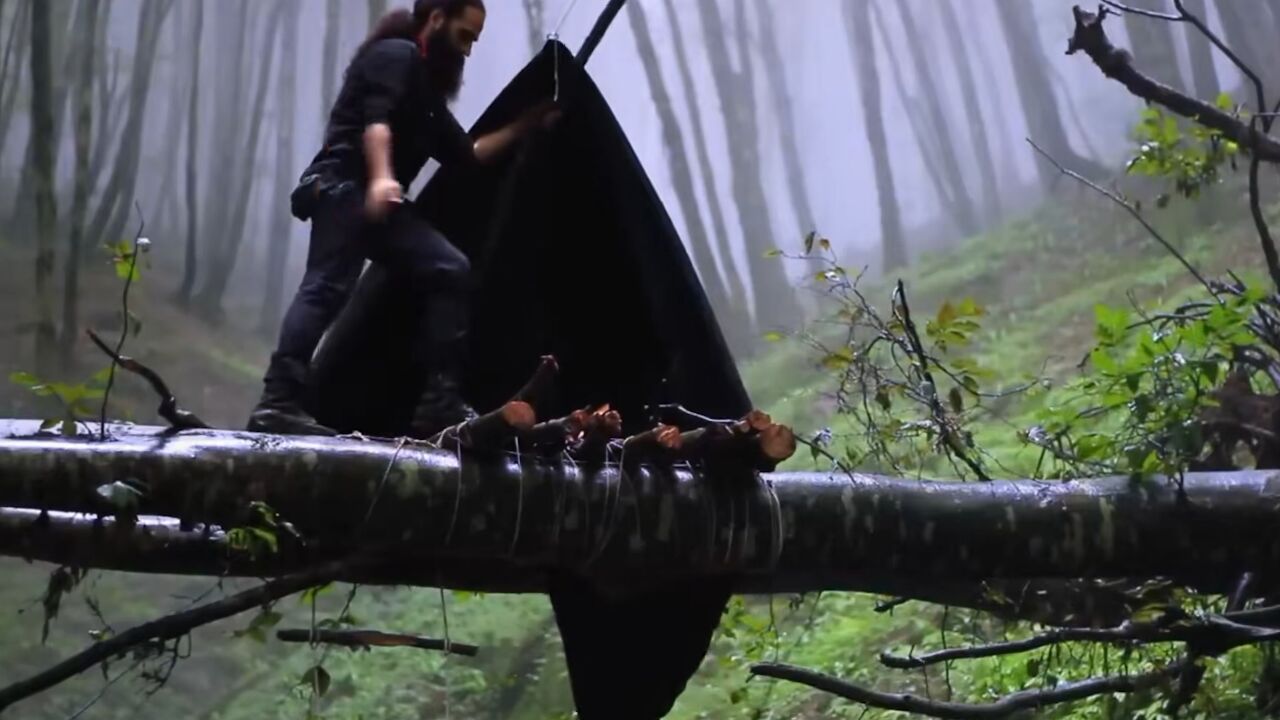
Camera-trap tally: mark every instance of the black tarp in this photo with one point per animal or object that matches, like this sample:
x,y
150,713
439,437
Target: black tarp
x,y
575,256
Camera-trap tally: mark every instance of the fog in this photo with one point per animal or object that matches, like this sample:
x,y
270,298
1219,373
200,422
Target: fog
x,y
836,178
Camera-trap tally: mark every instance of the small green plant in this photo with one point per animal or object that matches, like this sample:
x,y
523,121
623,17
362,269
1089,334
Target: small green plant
x,y
1190,160
77,403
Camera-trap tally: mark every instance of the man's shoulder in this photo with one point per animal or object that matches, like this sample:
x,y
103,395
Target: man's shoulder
x,y
391,51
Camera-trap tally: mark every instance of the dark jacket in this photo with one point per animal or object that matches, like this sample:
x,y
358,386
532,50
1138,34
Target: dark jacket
x,y
387,84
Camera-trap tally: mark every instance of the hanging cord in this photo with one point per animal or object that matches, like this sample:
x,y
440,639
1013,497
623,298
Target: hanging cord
x,y
555,36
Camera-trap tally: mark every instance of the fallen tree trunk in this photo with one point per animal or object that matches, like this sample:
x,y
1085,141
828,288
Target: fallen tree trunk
x,y
436,513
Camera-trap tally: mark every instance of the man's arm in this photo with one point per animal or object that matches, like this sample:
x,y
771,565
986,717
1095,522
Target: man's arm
x,y
383,187
490,147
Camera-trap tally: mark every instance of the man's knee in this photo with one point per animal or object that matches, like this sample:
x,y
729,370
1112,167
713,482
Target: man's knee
x,y
326,294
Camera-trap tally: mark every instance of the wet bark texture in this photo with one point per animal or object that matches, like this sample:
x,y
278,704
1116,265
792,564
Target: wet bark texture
x,y
780,532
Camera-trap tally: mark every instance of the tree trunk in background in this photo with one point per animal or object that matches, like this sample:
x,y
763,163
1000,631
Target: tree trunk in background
x,y
1152,44
962,208
377,8
83,104
117,200
785,110
773,297
15,50
862,51
229,88
1245,31
1039,103
66,21
286,173
973,103
190,261
735,287
915,114
1200,51
329,63
164,208
209,300
46,209
534,13
682,180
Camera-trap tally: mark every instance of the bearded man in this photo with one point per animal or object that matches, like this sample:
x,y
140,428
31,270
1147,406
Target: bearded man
x,y
391,115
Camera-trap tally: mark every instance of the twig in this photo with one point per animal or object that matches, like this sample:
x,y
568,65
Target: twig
x,y
1259,220
1142,11
935,404
364,639
1259,90
1130,209
178,418
124,324
170,627
1090,38
1215,631
1004,707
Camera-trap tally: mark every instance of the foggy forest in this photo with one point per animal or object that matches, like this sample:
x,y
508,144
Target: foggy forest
x,y
919,358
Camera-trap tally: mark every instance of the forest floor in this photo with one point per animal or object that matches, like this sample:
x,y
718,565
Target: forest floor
x,y
1038,278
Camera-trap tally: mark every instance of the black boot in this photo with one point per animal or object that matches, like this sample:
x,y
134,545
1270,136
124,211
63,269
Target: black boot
x,y
441,406
441,355
279,411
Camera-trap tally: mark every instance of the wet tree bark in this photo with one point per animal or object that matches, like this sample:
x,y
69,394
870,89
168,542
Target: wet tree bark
x,y
1152,43
682,179
286,123
42,142
1203,73
479,517
857,17
774,299
84,84
962,207
191,258
734,284
1039,102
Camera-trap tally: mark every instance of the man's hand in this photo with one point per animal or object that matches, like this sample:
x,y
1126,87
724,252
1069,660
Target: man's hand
x,y
380,196
545,114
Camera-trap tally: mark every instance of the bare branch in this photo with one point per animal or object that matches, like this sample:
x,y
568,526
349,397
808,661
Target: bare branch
x,y
1117,64
169,628
1004,707
1131,210
1130,10
365,639
1216,632
180,419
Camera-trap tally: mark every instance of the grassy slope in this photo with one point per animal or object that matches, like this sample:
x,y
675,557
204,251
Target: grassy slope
x,y
1038,278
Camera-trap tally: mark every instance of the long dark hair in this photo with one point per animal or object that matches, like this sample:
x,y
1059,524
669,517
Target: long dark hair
x,y
405,24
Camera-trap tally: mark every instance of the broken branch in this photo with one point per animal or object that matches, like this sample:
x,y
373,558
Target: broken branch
x,y
365,639
1004,707
170,627
178,418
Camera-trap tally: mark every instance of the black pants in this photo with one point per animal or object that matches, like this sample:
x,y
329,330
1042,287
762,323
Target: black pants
x,y
342,238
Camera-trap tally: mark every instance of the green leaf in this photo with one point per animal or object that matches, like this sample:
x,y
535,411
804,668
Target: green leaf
x,y
258,627
808,242
316,678
309,595
24,379
267,537
956,400
1102,360
946,315
838,360
773,253
882,398
47,424
774,336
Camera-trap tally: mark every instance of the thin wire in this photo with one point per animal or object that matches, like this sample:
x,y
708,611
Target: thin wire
x,y
563,17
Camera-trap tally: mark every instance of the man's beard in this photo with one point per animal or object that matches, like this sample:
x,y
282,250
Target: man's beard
x,y
444,64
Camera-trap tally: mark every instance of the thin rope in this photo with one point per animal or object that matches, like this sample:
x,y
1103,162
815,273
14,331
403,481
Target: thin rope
x,y
563,17
515,538
457,497
448,645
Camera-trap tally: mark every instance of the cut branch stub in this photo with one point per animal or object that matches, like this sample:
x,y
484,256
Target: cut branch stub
x,y
541,386
492,430
603,426
559,433
661,442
